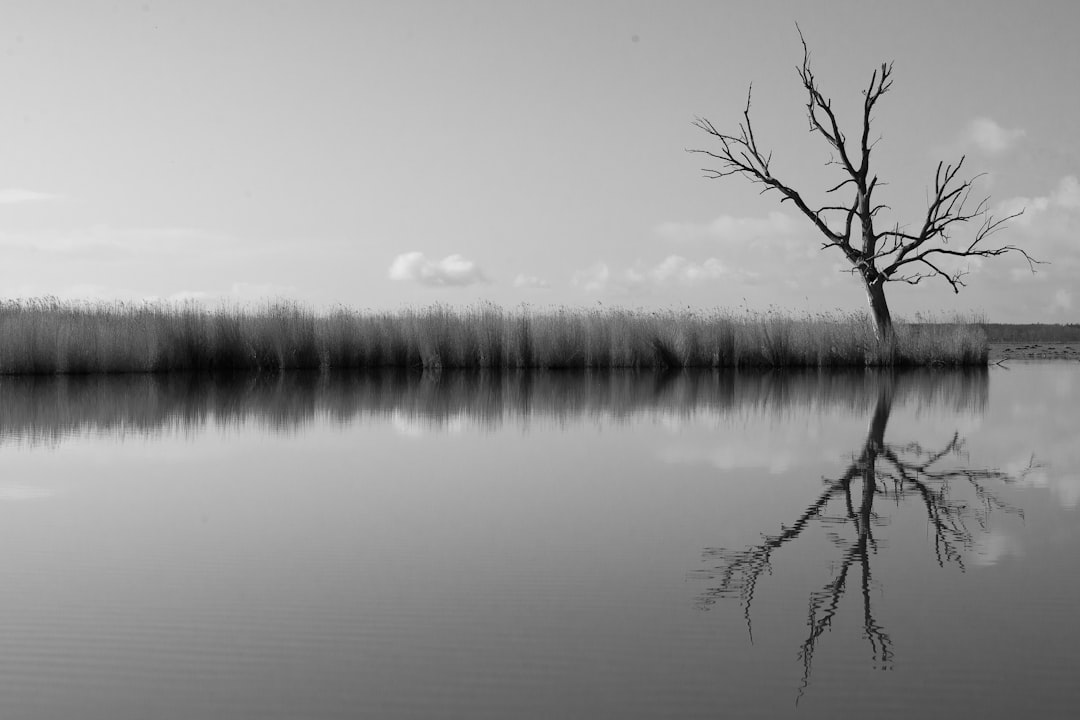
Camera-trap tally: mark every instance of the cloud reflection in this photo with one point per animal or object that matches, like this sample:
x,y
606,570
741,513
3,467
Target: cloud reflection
x,y
17,492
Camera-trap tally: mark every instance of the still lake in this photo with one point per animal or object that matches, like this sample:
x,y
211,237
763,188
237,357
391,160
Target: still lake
x,y
546,545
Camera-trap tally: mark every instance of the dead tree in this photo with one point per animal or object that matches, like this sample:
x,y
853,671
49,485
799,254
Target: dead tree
x,y
877,256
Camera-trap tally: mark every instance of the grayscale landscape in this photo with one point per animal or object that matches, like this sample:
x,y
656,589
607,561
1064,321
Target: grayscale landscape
x,y
502,360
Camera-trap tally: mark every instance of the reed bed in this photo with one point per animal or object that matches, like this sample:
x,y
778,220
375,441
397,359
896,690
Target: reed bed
x,y
53,337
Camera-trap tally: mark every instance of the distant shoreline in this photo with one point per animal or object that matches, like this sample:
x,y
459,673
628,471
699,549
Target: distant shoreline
x,y
1001,350
1031,333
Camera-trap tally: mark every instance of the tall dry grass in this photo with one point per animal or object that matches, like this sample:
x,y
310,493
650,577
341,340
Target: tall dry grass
x,y
49,336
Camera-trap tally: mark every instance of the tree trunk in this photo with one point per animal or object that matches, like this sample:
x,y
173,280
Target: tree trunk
x,y
879,308
875,434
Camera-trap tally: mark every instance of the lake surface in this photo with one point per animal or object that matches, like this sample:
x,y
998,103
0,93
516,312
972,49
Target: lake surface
x,y
631,545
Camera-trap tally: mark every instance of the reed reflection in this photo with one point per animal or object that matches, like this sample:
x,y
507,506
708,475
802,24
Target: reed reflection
x,y
938,479
48,409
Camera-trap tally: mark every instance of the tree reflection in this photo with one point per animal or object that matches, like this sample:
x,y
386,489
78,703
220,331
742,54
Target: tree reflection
x,y
880,471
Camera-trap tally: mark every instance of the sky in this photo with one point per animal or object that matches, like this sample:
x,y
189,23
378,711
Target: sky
x,y
382,155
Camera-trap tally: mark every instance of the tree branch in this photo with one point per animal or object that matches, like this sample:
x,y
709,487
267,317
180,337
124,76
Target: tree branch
x,y
892,255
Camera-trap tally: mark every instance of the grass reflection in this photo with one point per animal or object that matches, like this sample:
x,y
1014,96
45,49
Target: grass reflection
x,y
49,408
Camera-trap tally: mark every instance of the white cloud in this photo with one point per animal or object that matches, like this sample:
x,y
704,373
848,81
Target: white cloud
x,y
247,291
530,281
754,257
1067,193
1062,301
89,292
238,291
1051,224
988,137
676,268
186,296
1062,200
453,270
11,196
729,228
161,240
593,279
672,270
1047,230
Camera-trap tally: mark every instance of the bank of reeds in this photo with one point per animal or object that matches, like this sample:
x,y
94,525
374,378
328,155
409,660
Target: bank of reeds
x,y
49,337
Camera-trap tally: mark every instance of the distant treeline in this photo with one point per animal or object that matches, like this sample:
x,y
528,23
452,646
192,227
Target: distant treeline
x,y
1031,332
53,337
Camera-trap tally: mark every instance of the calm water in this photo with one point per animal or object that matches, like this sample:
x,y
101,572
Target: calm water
x,y
542,546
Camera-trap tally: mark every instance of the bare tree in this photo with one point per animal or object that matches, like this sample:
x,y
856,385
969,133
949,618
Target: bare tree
x,y
877,256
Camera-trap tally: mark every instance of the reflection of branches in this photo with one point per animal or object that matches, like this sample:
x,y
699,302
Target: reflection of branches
x,y
824,602
738,570
904,471
947,517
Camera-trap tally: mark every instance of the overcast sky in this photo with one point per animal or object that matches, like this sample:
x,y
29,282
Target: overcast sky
x,y
381,154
